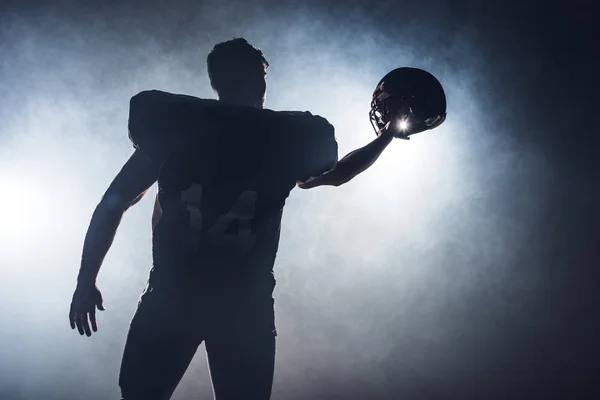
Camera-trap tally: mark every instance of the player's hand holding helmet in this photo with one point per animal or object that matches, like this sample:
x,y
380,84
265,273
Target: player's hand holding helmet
x,y
407,101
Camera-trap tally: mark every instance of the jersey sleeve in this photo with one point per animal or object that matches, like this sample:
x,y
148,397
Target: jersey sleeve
x,y
314,148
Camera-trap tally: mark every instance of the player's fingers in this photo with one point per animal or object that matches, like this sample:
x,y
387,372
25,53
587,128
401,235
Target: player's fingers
x,y
86,325
72,318
384,129
78,323
93,320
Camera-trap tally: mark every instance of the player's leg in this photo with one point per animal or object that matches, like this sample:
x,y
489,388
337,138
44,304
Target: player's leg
x,y
161,343
241,354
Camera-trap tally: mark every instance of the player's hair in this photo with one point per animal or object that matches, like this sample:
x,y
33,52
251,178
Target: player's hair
x,y
226,60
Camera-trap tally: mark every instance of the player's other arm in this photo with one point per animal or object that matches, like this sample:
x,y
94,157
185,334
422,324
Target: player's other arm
x,y
129,186
352,164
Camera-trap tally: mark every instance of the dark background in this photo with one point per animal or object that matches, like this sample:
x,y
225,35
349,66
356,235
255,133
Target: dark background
x,y
530,331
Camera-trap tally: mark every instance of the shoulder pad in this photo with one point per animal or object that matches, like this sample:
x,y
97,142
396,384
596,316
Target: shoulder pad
x,y
292,113
152,114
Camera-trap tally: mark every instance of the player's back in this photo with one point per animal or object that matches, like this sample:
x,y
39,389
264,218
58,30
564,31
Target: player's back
x,y
226,173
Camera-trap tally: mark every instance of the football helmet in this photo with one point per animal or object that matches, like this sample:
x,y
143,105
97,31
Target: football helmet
x,y
411,99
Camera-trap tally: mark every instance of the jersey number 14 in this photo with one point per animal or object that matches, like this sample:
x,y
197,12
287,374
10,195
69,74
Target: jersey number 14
x,y
219,234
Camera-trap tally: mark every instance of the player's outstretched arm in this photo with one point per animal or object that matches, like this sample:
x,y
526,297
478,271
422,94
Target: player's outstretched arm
x,y
128,187
353,163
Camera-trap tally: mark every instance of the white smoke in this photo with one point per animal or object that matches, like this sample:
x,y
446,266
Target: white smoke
x,y
386,286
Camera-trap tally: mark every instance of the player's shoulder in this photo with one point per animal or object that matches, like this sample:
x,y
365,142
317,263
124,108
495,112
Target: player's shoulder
x,y
154,97
154,113
303,118
293,115
151,108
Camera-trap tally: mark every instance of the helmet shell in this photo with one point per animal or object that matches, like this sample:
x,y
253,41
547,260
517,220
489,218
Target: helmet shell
x,y
411,95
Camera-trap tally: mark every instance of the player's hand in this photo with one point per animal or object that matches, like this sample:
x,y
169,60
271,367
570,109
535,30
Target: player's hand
x,y
387,133
86,299
391,131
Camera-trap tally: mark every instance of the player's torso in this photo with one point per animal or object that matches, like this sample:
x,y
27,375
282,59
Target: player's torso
x,y
222,187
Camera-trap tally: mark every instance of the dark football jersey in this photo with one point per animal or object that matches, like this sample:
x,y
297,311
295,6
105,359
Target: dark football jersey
x,y
226,172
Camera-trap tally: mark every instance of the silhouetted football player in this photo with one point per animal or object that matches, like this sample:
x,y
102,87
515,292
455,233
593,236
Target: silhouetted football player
x,y
224,170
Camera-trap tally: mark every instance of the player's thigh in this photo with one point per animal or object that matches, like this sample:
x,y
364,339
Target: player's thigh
x,y
241,368
160,346
241,354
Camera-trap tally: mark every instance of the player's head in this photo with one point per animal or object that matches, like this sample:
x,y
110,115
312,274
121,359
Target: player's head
x,y
237,72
